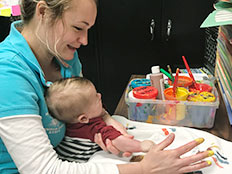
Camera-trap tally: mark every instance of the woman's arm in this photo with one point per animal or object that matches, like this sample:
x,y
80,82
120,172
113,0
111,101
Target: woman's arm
x,y
30,148
32,152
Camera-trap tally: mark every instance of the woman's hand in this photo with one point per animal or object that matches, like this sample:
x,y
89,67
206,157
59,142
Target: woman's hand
x,y
109,146
161,161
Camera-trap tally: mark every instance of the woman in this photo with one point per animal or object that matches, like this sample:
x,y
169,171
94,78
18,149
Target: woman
x,y
39,50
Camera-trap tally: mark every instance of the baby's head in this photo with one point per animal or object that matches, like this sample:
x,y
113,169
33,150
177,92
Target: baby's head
x,y
73,100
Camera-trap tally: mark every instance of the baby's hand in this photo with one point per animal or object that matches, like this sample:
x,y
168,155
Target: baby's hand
x,y
146,145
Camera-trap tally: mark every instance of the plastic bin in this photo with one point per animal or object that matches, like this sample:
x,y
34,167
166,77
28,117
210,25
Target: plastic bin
x,y
172,112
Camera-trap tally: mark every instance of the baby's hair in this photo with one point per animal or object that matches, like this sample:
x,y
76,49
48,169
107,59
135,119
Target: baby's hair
x,y
62,100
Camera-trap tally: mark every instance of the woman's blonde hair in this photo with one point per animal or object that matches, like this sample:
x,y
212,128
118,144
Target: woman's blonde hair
x,y
57,8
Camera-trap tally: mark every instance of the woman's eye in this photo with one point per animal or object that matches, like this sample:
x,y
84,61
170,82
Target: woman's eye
x,y
78,28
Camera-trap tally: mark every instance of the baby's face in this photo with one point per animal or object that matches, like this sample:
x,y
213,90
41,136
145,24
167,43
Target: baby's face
x,y
95,107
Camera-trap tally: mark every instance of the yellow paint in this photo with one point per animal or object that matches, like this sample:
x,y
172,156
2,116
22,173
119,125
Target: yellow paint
x,y
210,153
200,140
149,119
215,147
180,111
209,162
154,107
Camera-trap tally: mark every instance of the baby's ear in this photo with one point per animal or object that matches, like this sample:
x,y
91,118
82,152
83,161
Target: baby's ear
x,y
83,118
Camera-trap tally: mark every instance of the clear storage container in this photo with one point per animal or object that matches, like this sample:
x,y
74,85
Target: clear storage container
x,y
172,112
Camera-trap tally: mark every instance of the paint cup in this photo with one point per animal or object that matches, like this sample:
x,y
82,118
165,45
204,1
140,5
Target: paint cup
x,y
140,111
145,92
200,114
140,82
200,87
183,81
176,110
181,94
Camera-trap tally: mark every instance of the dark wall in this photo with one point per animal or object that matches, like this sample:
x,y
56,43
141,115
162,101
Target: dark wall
x,y
4,27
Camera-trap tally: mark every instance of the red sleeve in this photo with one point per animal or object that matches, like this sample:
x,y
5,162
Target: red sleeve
x,y
95,125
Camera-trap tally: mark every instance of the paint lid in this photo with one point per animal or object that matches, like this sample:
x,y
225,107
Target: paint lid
x,y
145,92
140,82
155,69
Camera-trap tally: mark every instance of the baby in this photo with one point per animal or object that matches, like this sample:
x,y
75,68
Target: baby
x,y
76,102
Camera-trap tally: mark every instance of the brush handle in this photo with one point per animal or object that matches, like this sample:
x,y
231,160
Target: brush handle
x,y
170,71
166,73
175,82
188,69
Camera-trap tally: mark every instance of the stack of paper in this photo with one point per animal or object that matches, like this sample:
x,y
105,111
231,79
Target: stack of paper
x,y
222,16
223,68
9,7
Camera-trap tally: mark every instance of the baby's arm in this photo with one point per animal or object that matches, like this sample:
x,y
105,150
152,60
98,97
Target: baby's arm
x,y
126,144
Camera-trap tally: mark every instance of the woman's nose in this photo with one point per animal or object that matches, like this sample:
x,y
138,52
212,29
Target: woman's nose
x,y
84,38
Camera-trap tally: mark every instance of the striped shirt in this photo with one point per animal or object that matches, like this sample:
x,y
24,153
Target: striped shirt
x,y
76,149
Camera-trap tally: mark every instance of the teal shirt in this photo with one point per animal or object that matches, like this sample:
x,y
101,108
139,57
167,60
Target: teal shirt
x,y
22,85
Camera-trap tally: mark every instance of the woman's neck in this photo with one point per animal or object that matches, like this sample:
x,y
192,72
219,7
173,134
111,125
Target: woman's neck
x,y
38,48
45,59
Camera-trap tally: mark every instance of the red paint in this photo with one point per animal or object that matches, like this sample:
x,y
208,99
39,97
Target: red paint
x,y
165,131
216,162
145,92
139,104
183,81
200,87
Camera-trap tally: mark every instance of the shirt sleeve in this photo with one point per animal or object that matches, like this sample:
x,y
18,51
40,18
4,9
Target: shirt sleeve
x,y
18,89
88,130
32,152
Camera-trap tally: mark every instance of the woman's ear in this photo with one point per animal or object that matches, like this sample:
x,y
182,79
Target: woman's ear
x,y
41,8
83,118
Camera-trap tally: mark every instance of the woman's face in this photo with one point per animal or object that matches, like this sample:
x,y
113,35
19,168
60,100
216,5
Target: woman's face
x,y
70,32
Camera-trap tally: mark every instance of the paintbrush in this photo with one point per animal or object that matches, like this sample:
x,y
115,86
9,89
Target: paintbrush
x,y
189,71
175,82
170,72
166,73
